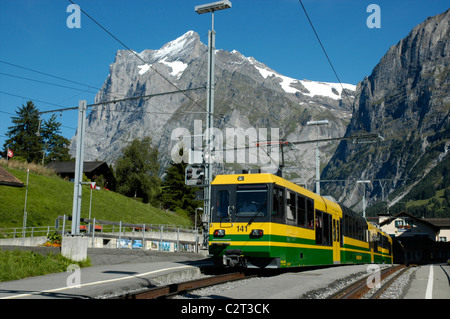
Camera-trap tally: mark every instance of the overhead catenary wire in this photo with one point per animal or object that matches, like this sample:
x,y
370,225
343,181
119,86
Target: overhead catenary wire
x,y
148,64
29,99
44,82
49,75
184,91
122,100
139,57
53,76
325,52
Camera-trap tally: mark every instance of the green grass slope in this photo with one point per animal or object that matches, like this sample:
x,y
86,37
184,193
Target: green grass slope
x,y
51,196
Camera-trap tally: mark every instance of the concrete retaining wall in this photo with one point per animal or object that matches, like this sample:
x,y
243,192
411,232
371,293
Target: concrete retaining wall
x,y
27,241
168,241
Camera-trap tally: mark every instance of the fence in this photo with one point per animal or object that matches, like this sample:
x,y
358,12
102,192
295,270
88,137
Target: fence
x,y
118,234
18,232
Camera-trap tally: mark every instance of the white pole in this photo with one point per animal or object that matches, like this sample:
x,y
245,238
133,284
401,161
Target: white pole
x,y
77,190
24,226
90,205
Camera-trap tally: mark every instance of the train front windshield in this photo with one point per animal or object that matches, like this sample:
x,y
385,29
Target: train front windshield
x,y
251,200
241,202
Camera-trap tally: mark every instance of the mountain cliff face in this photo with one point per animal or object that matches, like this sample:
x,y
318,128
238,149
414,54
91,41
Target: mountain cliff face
x,y
406,100
248,94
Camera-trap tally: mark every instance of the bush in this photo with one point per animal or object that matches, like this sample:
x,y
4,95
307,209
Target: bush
x,y
53,240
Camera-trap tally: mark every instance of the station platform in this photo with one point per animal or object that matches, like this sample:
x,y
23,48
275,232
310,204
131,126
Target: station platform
x,y
113,273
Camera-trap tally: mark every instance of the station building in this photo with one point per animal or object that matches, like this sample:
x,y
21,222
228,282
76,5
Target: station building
x,y
417,240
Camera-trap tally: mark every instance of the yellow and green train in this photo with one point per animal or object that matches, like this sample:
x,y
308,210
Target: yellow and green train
x,y
265,221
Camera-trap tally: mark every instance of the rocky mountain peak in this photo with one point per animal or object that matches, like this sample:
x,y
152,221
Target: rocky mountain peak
x,y
406,100
248,94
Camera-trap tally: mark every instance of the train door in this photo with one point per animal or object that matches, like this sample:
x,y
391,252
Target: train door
x,y
336,241
223,206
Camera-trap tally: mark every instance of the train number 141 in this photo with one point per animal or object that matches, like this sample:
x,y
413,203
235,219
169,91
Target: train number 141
x,y
242,228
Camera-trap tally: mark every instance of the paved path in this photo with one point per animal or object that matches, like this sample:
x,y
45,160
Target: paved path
x,y
430,282
113,271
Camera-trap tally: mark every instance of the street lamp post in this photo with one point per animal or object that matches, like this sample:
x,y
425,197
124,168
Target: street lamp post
x,y
201,9
364,195
317,123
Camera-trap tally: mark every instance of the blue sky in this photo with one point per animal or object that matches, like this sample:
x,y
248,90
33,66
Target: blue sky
x,y
34,35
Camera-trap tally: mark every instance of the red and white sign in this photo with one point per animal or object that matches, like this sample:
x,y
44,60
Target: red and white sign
x,y
92,185
10,153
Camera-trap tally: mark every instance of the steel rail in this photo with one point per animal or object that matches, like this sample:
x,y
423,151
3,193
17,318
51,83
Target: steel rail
x,y
182,287
387,284
360,288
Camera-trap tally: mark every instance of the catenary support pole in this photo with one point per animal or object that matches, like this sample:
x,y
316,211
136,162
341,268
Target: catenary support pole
x,y
76,207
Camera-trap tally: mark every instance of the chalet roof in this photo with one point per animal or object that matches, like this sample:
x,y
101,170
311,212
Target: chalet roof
x,y
8,179
439,222
416,219
69,167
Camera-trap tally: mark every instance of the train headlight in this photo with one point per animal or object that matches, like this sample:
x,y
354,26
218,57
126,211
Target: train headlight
x,y
219,233
256,233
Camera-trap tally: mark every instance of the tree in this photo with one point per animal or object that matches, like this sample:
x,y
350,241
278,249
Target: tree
x,y
137,170
24,138
28,139
175,194
56,146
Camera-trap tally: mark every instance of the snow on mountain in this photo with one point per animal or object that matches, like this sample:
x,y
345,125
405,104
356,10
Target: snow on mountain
x,y
175,47
144,68
177,67
331,90
248,94
170,54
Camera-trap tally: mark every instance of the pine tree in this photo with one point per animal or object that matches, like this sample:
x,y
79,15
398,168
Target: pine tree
x,y
56,146
175,194
24,138
137,170
33,139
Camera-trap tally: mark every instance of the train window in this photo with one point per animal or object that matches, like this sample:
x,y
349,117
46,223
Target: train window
x,y
338,231
326,229
319,227
290,212
334,230
347,226
310,213
323,228
301,211
352,227
251,200
278,203
344,224
223,201
363,231
358,230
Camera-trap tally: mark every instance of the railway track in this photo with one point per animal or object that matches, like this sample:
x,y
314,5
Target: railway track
x,y
360,287
354,291
183,287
